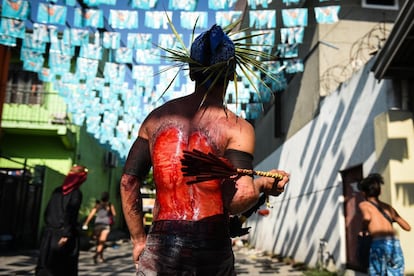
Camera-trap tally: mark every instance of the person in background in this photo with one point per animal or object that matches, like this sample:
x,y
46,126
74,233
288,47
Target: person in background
x,y
59,246
104,213
386,256
190,230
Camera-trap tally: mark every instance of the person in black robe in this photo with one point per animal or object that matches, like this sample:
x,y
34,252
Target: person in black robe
x,y
59,246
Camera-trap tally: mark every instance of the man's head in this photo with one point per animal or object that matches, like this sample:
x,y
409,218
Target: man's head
x,y
213,47
105,196
74,179
371,185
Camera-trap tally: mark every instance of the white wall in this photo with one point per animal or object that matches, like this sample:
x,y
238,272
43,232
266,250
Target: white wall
x,y
311,208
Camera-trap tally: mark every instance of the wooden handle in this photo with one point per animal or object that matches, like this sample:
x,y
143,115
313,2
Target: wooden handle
x,y
260,173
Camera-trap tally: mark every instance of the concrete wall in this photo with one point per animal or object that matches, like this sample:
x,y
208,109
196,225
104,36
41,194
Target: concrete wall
x,y
332,53
340,137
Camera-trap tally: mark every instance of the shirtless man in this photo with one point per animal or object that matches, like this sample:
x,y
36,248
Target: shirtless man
x,y
190,233
386,256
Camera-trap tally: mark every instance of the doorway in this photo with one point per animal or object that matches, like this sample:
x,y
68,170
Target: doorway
x,y
20,199
353,217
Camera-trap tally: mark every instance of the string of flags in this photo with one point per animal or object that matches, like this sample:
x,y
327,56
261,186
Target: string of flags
x,y
102,55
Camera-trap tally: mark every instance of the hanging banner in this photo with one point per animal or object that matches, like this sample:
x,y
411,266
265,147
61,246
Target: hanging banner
x,y
327,15
17,9
295,17
51,14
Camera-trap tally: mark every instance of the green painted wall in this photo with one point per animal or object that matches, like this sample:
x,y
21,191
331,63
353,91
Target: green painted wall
x,y
51,152
100,177
38,150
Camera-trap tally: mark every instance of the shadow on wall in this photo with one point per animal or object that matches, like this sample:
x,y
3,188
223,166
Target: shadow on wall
x,y
405,191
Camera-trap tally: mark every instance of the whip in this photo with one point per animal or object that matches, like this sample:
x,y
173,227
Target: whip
x,y
207,166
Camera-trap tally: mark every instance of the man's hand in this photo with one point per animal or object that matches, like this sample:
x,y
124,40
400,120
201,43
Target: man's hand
x,y
62,241
274,187
138,248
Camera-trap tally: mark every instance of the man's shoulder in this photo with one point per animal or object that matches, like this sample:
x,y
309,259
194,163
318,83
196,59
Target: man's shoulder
x,y
385,206
228,114
169,108
363,204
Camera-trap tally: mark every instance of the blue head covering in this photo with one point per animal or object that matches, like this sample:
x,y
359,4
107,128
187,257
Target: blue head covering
x,y
213,46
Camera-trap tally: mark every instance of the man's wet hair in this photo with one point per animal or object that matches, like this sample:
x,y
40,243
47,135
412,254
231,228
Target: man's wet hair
x,y
371,185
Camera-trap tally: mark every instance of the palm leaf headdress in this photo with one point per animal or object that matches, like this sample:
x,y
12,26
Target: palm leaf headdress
x,y
250,61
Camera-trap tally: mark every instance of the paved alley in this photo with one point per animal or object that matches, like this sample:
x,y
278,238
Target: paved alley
x,y
119,262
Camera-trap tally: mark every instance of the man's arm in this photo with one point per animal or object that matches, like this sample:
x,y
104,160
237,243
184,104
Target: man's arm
x,y
132,208
366,216
271,186
245,191
401,222
113,210
71,213
89,218
136,168
70,216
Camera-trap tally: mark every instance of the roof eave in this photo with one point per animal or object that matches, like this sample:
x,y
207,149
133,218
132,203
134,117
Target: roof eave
x,y
402,27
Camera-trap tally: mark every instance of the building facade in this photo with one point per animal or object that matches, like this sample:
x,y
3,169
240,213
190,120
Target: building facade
x,y
332,138
38,146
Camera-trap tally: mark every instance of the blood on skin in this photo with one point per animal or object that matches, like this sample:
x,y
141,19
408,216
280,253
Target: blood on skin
x,y
176,200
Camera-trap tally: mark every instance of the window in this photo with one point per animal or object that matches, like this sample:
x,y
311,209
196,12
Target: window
x,y
23,87
380,4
